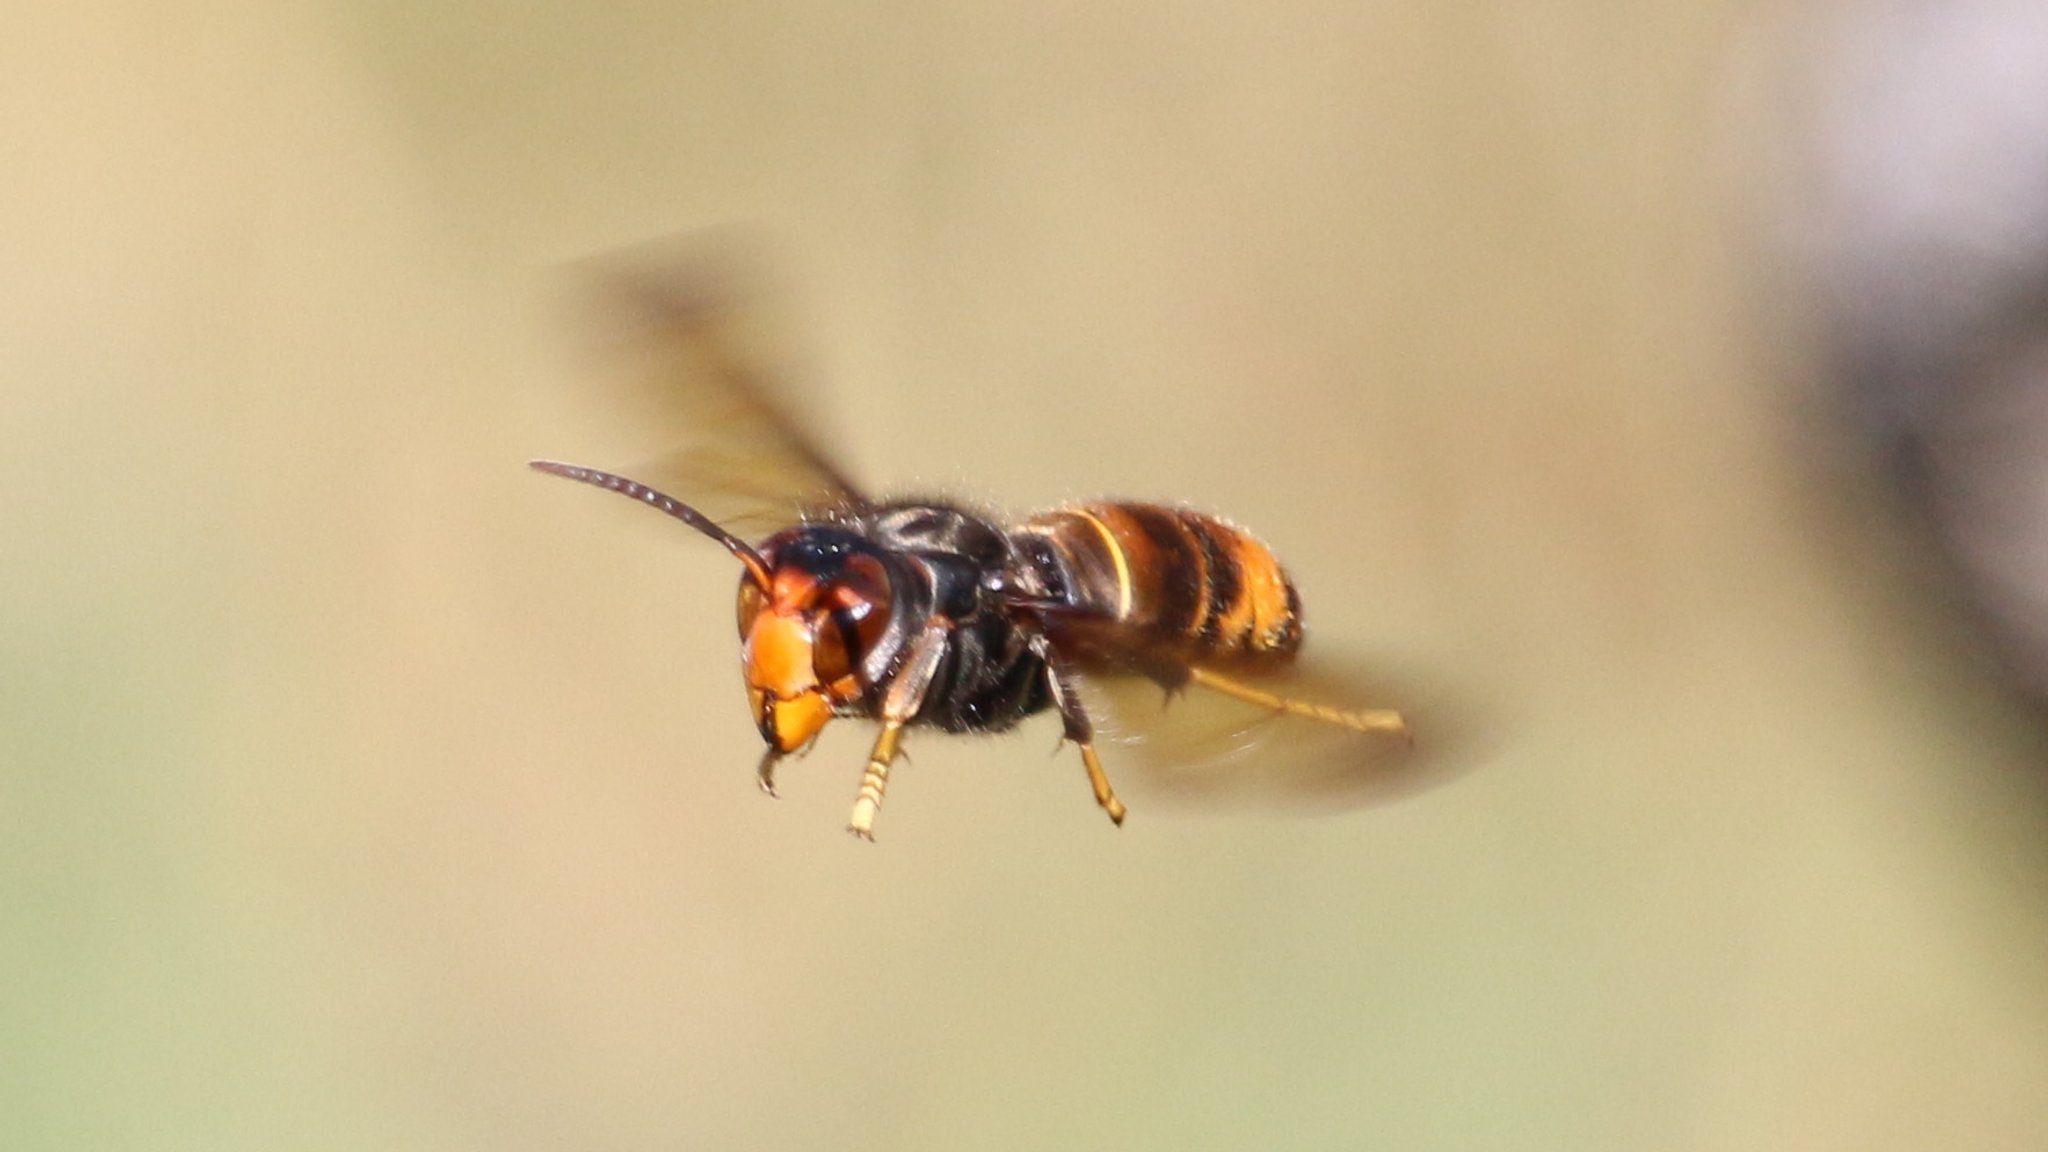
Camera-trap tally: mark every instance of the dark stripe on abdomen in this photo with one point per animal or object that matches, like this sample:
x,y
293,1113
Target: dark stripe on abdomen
x,y
1171,578
1220,569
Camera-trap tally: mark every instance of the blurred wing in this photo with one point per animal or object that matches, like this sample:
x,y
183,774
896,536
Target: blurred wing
x,y
684,331
1334,743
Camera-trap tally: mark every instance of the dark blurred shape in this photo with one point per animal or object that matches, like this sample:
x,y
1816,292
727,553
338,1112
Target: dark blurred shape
x,y
1918,219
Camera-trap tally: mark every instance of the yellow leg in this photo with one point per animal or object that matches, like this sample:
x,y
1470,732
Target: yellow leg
x,y
906,696
1079,728
874,782
1360,720
1099,780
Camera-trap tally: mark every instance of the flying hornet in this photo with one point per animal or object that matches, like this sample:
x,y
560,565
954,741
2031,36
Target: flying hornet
x,y
924,613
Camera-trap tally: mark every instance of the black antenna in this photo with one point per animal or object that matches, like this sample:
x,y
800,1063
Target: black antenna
x,y
757,568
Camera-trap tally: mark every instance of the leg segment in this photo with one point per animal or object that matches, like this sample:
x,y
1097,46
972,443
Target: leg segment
x,y
899,707
1360,720
1078,728
873,782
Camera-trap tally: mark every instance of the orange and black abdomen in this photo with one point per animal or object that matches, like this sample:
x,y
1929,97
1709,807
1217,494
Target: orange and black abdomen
x,y
1157,578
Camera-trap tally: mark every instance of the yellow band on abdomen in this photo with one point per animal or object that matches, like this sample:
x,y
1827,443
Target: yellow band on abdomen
x,y
1116,556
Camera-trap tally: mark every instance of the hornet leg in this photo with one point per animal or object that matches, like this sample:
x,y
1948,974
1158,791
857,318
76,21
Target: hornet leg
x,y
906,696
1078,728
1358,720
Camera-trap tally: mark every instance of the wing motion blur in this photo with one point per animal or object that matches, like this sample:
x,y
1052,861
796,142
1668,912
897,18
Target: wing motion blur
x,y
1290,733
681,327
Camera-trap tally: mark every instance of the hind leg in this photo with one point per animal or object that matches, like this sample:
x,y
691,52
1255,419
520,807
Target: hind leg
x,y
1383,720
1079,729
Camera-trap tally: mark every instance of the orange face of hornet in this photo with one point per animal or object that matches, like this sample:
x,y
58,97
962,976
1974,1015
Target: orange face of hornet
x,y
797,635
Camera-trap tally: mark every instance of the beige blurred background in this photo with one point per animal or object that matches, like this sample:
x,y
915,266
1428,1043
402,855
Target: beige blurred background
x,y
360,789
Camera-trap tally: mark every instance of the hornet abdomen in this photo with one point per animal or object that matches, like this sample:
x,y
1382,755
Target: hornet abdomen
x,y
1147,577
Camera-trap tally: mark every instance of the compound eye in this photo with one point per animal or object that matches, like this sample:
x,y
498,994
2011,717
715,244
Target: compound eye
x,y
830,657
751,601
862,594
856,617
